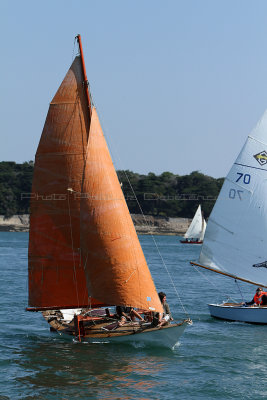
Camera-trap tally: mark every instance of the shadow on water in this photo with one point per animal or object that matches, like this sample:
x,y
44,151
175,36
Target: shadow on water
x,y
55,368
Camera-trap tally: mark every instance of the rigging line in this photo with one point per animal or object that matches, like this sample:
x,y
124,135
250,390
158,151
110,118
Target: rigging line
x,y
76,106
85,155
130,276
241,294
70,219
256,140
73,49
81,264
213,284
156,245
153,238
74,266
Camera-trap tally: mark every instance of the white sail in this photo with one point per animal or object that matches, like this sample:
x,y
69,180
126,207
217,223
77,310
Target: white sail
x,y
236,240
195,228
204,226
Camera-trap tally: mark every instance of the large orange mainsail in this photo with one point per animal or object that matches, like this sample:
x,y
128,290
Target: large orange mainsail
x,y
56,275
82,244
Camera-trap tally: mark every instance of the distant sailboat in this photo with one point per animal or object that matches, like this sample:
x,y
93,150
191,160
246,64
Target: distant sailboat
x,y
84,253
196,231
235,243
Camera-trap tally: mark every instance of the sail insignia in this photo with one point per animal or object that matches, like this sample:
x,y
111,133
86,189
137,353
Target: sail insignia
x,y
261,157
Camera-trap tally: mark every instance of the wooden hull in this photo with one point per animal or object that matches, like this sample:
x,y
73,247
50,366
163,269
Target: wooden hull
x,y
108,331
236,312
166,336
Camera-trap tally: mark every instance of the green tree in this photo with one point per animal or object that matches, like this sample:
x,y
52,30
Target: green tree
x,y
166,195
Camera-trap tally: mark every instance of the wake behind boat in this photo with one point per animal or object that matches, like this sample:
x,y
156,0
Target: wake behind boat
x,y
235,241
84,253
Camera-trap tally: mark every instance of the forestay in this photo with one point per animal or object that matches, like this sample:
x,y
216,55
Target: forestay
x,y
235,240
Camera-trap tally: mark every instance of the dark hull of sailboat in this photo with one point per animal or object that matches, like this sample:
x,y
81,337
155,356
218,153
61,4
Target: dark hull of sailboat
x,y
237,312
105,330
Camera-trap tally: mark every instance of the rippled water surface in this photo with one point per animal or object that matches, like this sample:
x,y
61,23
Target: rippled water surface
x,y
214,360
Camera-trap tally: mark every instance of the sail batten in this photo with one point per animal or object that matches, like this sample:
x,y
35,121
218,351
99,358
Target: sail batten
x,y
249,166
257,140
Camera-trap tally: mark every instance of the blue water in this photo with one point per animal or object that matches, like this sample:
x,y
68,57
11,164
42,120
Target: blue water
x,y
215,359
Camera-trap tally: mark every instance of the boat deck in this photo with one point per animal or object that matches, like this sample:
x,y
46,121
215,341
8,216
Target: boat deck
x,y
101,327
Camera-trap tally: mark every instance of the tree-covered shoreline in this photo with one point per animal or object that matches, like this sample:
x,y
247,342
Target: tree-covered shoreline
x,y
166,195
15,179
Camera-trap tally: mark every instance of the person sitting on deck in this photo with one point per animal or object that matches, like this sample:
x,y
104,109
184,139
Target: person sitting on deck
x,y
164,318
127,314
260,298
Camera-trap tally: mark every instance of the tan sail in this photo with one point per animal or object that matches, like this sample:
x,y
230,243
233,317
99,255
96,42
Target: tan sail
x,y
84,253
116,269
56,275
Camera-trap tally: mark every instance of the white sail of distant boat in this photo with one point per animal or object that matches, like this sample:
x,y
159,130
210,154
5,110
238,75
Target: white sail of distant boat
x,y
196,231
235,242
203,230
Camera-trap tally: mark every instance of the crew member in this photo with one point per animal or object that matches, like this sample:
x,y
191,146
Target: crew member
x,y
260,298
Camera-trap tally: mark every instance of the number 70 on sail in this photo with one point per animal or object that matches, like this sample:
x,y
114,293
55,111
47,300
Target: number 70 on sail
x,y
237,193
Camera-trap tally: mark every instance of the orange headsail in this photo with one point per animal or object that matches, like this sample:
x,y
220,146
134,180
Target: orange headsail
x,y
56,275
115,266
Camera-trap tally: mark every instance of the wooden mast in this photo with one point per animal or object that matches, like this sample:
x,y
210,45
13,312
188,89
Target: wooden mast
x,y
85,82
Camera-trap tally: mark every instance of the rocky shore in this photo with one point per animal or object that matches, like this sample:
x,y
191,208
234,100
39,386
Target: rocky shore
x,y
160,225
17,223
143,224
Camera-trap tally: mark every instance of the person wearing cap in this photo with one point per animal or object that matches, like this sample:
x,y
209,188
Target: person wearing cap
x,y
259,299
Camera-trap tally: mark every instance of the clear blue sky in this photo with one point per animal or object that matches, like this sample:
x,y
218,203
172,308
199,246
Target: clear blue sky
x,y
178,84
